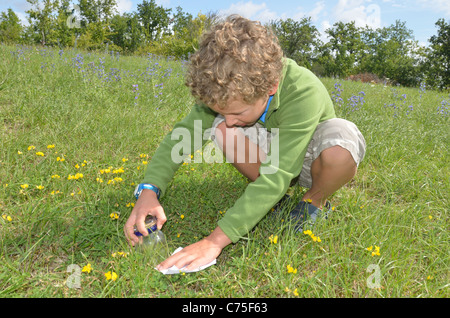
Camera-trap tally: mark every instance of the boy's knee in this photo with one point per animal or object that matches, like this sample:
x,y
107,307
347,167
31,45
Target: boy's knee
x,y
337,156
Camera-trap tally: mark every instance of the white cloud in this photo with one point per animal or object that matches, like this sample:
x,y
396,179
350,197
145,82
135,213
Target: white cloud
x,y
22,17
124,6
261,12
356,10
442,6
318,9
250,10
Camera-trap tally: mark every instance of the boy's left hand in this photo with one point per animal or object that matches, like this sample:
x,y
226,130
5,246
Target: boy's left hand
x,y
199,253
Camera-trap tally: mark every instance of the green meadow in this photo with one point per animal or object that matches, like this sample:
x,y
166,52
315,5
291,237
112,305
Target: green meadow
x,y
77,130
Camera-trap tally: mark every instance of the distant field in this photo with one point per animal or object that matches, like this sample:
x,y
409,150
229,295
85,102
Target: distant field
x,y
76,132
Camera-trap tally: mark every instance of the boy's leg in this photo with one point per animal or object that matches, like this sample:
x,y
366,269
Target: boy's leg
x,y
334,168
332,159
245,155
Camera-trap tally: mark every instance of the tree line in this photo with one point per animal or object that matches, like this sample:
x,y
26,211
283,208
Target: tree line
x,y
383,54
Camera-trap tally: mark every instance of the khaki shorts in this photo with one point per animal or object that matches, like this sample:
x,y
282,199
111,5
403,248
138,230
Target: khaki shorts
x,y
330,133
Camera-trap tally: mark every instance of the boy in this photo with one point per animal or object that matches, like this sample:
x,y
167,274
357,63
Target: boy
x,y
243,83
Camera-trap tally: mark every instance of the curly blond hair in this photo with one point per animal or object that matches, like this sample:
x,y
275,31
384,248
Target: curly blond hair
x,y
237,58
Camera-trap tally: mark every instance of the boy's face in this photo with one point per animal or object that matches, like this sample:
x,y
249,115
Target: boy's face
x,y
240,114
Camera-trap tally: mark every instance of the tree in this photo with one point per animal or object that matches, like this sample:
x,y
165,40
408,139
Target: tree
x,y
185,37
343,49
126,32
42,20
64,31
393,53
10,27
298,39
438,62
154,18
95,23
94,11
181,20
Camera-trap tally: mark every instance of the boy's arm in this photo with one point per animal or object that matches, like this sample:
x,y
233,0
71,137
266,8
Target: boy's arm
x,y
162,166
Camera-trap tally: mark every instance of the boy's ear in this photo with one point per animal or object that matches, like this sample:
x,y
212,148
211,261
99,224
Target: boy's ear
x,y
274,89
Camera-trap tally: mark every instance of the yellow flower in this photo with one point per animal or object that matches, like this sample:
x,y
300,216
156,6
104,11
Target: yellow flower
x,y
114,216
31,147
19,152
377,251
87,268
60,159
75,177
51,146
295,292
117,254
290,269
40,187
24,186
273,239
430,217
55,176
111,276
144,162
7,217
369,248
77,166
124,159
182,216
313,237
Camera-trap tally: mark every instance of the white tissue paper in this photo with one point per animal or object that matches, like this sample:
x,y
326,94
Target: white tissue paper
x,y
176,270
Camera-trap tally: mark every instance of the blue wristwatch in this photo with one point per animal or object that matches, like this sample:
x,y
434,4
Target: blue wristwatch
x,y
142,186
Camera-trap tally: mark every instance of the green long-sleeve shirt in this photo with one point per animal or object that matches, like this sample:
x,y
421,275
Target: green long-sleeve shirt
x,y
299,105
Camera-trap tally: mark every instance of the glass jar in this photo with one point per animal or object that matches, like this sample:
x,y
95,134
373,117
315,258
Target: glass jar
x,y
155,237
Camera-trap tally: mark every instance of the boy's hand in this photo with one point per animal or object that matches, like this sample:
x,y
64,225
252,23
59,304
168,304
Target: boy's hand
x,y
199,253
146,204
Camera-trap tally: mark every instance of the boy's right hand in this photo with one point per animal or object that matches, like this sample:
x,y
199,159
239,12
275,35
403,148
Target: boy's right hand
x,y
147,204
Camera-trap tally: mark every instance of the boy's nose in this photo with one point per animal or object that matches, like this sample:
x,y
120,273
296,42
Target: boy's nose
x,y
230,121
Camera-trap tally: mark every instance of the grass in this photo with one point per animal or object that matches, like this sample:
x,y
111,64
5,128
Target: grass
x,y
85,105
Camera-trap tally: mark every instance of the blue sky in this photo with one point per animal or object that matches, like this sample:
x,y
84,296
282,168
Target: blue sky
x,y
419,15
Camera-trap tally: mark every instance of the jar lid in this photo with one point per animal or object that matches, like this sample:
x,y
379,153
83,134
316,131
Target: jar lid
x,y
150,224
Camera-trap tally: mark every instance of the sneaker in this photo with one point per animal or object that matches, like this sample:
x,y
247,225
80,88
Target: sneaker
x,y
299,217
